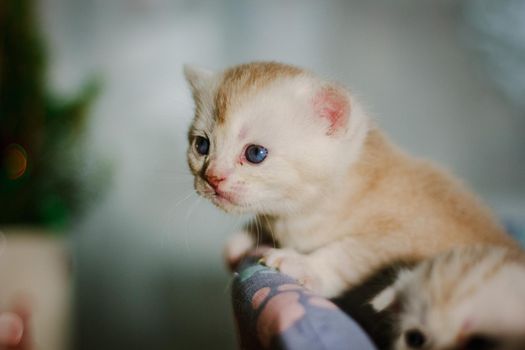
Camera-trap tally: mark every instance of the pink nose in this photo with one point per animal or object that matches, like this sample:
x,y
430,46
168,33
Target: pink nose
x,y
214,180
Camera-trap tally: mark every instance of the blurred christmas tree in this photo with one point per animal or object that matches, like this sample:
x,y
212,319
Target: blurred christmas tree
x,y
38,183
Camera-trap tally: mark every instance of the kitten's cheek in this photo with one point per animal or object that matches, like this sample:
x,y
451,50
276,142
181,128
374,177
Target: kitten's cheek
x,y
197,185
201,188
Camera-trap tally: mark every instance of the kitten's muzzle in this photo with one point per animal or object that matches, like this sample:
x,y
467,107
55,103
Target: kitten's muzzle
x,y
214,181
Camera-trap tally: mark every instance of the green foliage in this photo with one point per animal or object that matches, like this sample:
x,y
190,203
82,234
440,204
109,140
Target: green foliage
x,y
38,131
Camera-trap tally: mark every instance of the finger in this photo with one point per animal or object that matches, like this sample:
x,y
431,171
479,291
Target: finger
x,y
11,329
259,251
23,306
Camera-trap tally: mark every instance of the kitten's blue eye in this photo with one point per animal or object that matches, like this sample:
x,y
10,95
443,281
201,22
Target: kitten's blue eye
x,y
202,145
255,154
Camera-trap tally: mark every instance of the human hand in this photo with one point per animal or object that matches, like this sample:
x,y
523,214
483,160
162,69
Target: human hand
x,y
14,329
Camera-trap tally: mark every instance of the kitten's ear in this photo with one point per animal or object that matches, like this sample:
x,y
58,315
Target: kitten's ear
x,y
386,299
198,78
332,103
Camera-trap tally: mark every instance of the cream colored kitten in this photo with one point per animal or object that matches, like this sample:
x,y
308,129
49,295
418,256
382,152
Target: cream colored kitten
x,y
340,200
470,298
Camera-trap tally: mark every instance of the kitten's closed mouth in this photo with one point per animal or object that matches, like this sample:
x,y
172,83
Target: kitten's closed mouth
x,y
224,196
218,197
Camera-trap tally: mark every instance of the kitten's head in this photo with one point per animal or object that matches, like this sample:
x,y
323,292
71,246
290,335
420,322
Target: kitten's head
x,y
268,137
467,299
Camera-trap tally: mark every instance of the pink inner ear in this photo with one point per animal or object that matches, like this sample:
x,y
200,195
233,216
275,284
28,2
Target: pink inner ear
x,y
332,104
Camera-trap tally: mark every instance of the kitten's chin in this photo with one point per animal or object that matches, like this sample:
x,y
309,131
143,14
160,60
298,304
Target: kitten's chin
x,y
224,201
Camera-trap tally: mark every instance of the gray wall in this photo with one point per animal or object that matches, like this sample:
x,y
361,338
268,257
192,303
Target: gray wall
x,y
148,254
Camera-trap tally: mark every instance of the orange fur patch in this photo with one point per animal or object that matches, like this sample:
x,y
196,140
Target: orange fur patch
x,y
240,80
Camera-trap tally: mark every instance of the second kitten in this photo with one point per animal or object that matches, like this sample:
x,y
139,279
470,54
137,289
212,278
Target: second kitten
x,y
470,298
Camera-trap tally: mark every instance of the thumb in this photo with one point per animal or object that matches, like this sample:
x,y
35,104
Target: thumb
x,y
11,329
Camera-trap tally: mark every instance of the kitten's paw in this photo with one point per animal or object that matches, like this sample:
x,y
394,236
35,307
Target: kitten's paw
x,y
295,265
237,247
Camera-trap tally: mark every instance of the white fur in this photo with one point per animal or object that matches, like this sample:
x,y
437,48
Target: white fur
x,y
342,201
488,299
282,119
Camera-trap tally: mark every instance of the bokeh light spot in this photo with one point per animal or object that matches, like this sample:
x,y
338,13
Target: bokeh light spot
x,y
15,161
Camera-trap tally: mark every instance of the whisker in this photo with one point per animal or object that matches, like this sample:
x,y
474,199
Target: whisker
x,y
190,210
171,212
183,199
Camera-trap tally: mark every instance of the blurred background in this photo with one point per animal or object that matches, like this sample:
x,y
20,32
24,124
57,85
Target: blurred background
x,y
99,221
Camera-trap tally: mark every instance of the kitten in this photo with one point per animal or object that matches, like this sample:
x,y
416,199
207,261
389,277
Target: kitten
x,y
339,199
469,298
